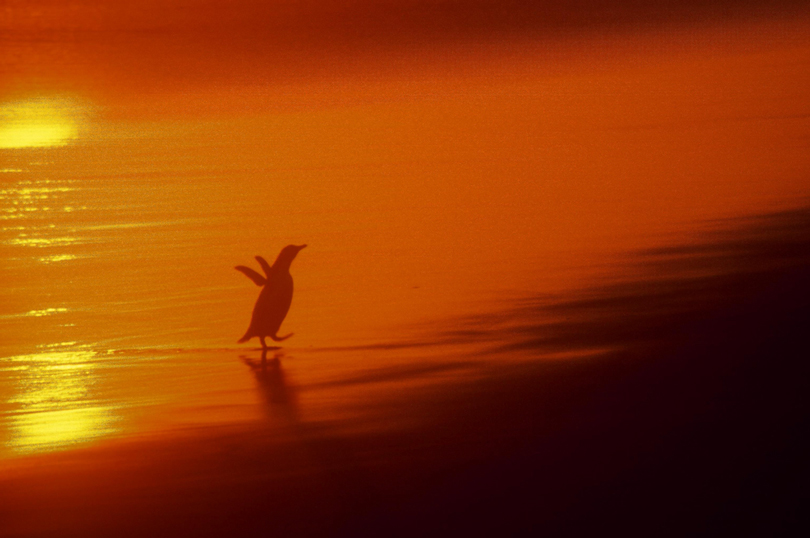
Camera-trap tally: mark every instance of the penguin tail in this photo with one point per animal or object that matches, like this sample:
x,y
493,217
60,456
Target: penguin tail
x,y
245,338
280,338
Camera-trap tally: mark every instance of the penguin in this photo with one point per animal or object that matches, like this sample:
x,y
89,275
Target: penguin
x,y
275,298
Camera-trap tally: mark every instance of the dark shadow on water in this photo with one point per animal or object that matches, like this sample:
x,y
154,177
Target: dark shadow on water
x,y
688,416
400,373
279,398
332,466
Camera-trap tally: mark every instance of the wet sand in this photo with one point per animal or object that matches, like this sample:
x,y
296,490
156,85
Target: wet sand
x,y
682,414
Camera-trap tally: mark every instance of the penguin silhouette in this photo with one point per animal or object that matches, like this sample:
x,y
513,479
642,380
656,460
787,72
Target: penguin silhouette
x,y
275,298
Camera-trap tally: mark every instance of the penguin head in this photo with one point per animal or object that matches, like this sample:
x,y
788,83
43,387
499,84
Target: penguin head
x,y
288,254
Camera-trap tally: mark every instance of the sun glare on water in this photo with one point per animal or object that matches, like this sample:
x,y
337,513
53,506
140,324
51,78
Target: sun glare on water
x,y
55,405
39,122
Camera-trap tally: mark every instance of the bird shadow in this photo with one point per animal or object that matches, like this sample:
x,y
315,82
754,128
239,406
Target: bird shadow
x,y
279,397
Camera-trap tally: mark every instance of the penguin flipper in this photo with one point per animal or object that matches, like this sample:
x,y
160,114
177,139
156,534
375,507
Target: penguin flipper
x,y
265,266
258,279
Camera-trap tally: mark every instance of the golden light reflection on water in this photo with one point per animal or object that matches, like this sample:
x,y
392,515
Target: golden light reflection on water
x,y
60,428
30,206
26,198
58,258
25,241
54,406
40,122
45,312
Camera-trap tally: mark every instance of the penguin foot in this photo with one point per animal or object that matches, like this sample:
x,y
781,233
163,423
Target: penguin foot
x,y
280,338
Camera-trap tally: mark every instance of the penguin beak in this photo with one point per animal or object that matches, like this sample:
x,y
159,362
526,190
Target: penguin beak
x,y
300,247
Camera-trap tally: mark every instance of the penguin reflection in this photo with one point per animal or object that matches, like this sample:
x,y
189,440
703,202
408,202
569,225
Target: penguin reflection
x,y
275,298
279,397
